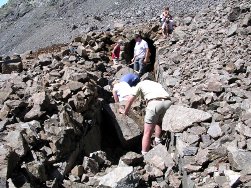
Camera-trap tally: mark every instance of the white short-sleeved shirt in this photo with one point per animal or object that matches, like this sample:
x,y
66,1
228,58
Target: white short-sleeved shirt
x,y
140,49
149,90
123,90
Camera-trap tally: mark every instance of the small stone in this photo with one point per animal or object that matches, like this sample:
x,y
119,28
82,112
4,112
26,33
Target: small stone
x,y
232,30
77,170
132,158
215,130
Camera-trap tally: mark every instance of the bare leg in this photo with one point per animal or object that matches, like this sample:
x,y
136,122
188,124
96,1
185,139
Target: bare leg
x,y
146,140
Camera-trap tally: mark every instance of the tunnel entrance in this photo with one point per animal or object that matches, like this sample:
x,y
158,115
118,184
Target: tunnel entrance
x,y
129,52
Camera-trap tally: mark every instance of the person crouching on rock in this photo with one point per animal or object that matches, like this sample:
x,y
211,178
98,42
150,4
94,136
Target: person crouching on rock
x,y
158,101
120,91
116,52
130,78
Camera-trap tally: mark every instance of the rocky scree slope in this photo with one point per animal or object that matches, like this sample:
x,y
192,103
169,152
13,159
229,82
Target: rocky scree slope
x,y
56,108
206,66
32,24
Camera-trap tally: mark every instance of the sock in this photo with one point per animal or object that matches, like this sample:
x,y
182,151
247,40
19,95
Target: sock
x,y
143,152
157,140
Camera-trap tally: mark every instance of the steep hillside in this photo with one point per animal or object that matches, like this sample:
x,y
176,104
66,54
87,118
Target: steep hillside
x,y
31,24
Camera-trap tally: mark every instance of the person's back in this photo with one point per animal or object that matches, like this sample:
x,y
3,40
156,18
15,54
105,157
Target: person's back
x,y
122,90
150,89
130,78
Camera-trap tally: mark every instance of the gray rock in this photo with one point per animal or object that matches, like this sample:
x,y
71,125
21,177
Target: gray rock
x,y
234,14
153,171
9,67
127,129
36,170
159,157
214,86
82,51
132,159
90,166
100,158
239,159
232,30
188,20
120,177
188,151
45,61
78,170
246,21
4,94
214,130
178,118
244,130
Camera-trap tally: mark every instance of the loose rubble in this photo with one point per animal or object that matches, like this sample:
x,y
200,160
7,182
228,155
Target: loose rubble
x,y
59,127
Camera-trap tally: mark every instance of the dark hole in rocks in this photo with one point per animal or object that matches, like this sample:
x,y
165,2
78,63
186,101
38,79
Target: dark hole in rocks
x,y
110,142
129,52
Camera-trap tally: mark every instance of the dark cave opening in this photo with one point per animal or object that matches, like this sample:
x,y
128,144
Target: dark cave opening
x,y
129,52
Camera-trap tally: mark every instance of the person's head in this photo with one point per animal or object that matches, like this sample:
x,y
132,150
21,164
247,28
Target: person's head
x,y
120,42
166,9
112,82
137,37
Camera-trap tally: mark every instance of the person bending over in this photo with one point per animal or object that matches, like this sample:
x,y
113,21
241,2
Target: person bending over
x,y
158,101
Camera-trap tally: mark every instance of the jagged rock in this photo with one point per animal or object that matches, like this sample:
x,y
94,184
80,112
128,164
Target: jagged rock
x,y
90,166
159,157
4,94
192,168
127,129
132,158
201,157
232,30
246,21
214,130
244,130
12,66
188,20
232,176
75,86
100,158
153,171
174,179
239,159
36,170
188,151
81,51
45,61
234,14
214,86
120,177
41,103
77,171
178,118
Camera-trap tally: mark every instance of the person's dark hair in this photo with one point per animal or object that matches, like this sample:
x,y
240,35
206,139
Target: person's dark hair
x,y
111,81
166,8
136,35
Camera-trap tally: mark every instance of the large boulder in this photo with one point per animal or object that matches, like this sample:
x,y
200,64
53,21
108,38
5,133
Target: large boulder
x,y
178,118
120,177
127,129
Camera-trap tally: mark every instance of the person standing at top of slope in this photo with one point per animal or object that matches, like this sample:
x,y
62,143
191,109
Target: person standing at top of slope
x,y
141,54
116,52
167,22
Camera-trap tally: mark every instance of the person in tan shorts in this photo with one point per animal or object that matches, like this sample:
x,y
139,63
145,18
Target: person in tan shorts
x,y
158,101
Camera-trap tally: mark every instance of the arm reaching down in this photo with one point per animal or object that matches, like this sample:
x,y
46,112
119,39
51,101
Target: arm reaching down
x,y
129,102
